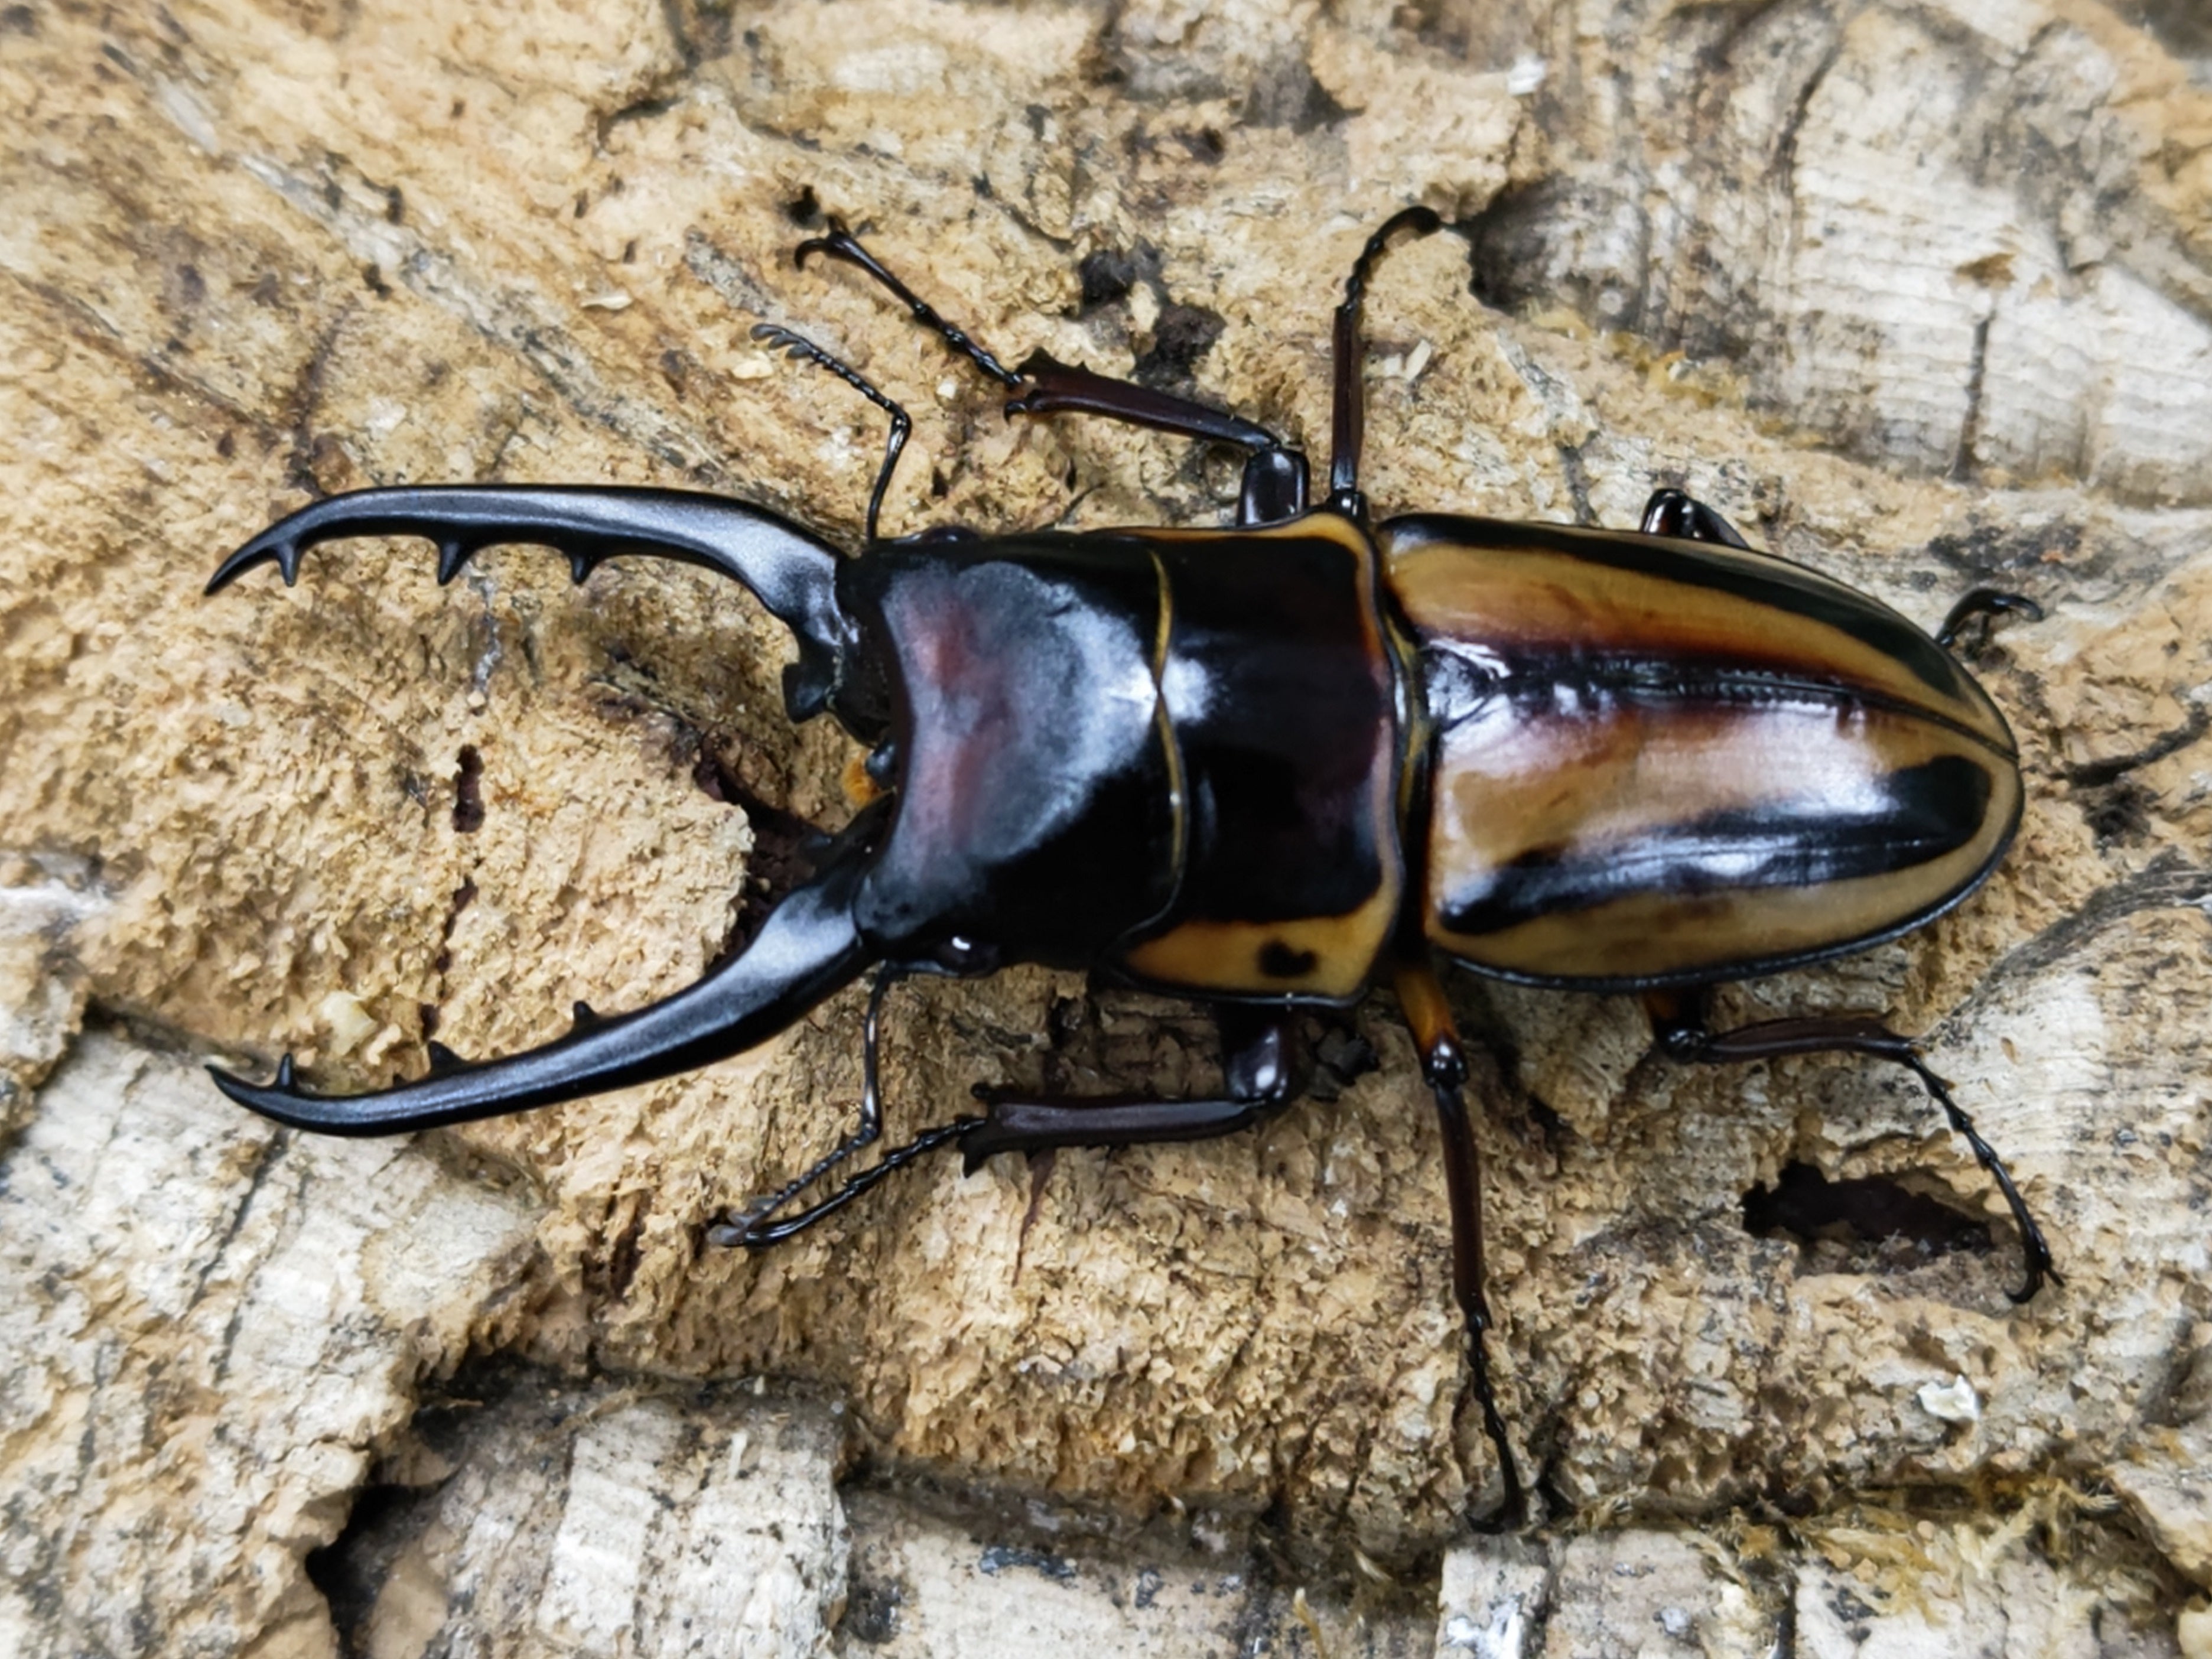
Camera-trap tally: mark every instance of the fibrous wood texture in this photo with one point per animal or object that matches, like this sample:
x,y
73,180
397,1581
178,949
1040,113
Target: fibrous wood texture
x,y
1919,293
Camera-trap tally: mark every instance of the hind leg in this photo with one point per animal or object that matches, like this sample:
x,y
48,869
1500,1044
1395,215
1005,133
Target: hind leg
x,y
1683,1035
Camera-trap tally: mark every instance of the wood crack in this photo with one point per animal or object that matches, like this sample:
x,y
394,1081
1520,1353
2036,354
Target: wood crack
x,y
2093,774
2170,882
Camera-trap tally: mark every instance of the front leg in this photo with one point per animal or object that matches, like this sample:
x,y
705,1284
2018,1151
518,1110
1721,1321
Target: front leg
x,y
1258,1076
1275,475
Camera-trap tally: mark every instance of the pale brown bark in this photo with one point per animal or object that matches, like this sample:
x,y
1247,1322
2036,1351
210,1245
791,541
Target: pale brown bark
x,y
1920,293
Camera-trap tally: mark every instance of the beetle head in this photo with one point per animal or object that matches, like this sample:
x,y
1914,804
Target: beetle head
x,y
1031,813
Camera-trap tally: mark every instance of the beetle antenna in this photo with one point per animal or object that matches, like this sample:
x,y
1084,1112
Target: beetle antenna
x,y
798,346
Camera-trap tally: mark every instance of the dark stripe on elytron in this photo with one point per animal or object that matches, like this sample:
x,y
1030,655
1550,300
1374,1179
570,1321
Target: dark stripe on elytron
x,y
1932,809
1792,588
1455,689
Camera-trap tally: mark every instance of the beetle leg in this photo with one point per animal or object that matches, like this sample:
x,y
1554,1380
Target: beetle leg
x,y
1445,1064
871,1112
1673,513
1275,480
1986,602
1257,1074
1686,1038
755,1227
1348,412
798,346
841,243
1275,486
757,1232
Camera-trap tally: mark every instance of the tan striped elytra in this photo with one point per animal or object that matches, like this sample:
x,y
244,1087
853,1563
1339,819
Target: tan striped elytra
x,y
1668,763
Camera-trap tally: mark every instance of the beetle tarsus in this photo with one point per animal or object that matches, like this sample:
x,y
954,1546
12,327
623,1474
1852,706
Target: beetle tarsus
x,y
1684,1037
841,243
2035,1251
747,1226
1989,602
1512,1510
1443,1062
1672,511
753,1233
1463,1184
755,1227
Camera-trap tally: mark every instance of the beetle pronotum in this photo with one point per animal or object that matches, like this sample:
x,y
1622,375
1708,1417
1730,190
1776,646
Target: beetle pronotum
x,y
1269,766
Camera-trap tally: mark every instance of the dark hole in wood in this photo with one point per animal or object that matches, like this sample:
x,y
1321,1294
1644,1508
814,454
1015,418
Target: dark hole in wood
x,y
1805,1205
468,791
784,846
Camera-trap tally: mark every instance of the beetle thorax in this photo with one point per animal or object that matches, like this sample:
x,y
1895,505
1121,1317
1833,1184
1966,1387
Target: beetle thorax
x,y
1034,811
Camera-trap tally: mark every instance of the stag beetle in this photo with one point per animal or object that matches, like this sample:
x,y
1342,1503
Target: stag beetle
x,y
1269,766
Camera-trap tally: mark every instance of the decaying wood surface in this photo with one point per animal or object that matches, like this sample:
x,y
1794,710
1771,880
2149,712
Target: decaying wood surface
x,y
1918,293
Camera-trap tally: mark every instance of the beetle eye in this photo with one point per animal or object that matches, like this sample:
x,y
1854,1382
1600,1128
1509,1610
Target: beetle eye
x,y
962,955
881,763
